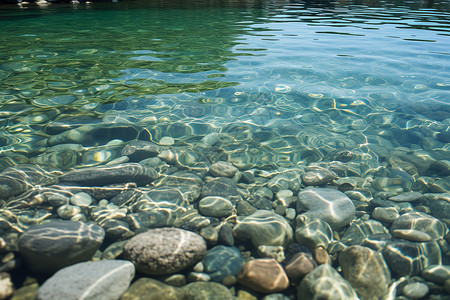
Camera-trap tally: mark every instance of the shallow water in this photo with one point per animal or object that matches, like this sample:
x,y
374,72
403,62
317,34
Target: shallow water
x,y
286,84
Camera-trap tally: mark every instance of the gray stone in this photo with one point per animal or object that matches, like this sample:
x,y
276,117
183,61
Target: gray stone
x,y
407,197
221,261
139,150
312,232
104,279
81,199
324,282
385,214
415,290
366,271
151,289
206,291
330,205
420,222
51,246
222,169
215,206
6,286
318,176
223,187
164,251
436,273
411,235
287,180
264,228
226,235
360,230
103,175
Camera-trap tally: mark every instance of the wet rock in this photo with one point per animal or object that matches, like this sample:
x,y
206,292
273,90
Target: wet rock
x,y
407,197
206,291
261,198
287,180
359,230
411,235
299,265
103,175
321,256
18,179
385,214
63,160
436,273
187,183
264,276
140,150
324,282
312,232
415,290
440,209
222,169
223,187
318,176
6,286
244,208
330,205
221,261
226,235
151,289
210,234
215,206
51,246
104,279
420,222
366,271
406,258
81,199
440,185
264,228
164,251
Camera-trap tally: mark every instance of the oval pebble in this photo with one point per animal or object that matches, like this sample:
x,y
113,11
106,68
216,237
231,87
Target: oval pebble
x,y
415,290
81,199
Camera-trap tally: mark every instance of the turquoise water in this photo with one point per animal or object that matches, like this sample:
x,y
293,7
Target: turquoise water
x,y
286,85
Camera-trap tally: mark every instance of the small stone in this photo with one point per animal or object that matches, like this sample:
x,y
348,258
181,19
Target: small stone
x,y
407,197
318,176
222,169
264,276
198,276
6,286
299,265
436,273
51,246
206,291
215,206
103,279
26,292
166,141
321,256
385,214
210,235
447,285
275,252
177,280
421,222
415,290
164,251
67,211
229,280
221,261
81,199
226,235
312,232
151,289
412,235
222,187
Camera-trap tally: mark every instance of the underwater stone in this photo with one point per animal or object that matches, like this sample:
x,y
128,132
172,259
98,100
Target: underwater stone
x,y
226,235
385,214
359,230
313,232
152,289
366,271
223,187
221,261
330,205
222,169
215,206
420,222
206,291
299,265
102,280
411,235
407,197
51,246
81,199
324,282
63,160
103,175
139,150
436,273
264,275
164,251
415,290
264,228
318,176
287,180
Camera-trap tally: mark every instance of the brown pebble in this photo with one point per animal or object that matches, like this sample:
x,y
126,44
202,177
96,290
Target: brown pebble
x,y
321,256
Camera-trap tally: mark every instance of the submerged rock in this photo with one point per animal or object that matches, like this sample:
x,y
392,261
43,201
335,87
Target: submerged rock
x,y
152,289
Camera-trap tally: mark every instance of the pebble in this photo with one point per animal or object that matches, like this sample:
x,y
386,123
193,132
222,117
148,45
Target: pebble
x,y
264,275
421,222
102,280
385,214
51,246
222,169
318,176
6,286
166,141
407,197
312,232
206,291
67,211
164,251
81,199
412,235
222,261
215,206
415,290
275,252
321,256
436,273
152,289
226,235
299,265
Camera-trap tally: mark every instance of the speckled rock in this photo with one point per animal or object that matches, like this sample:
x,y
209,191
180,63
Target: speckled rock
x,y
206,291
366,271
104,279
51,246
420,222
222,169
415,290
103,175
151,289
330,205
221,261
318,176
406,258
164,251
264,228
324,282
215,206
264,275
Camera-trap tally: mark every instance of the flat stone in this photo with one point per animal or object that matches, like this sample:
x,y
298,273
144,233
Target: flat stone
x,y
366,271
436,273
412,235
324,282
152,289
206,291
221,261
287,180
385,214
263,275
313,232
81,199
139,150
103,279
330,205
223,187
299,265
415,290
164,251
360,230
51,246
420,222
223,169
318,176
264,228
215,206
407,197
166,141
103,175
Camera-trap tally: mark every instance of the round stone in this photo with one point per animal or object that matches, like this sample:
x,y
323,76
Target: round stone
x,y
67,212
420,222
312,232
51,246
222,169
81,199
437,273
385,214
318,176
215,206
152,289
206,291
221,261
166,141
164,251
299,265
415,290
